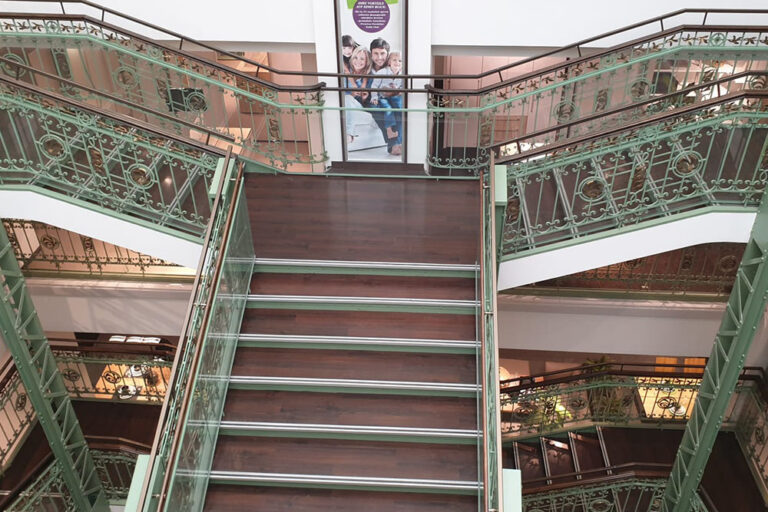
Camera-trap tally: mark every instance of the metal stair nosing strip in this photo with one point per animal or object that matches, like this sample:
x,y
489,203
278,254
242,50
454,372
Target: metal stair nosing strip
x,y
380,304
345,482
299,266
351,432
373,387
359,343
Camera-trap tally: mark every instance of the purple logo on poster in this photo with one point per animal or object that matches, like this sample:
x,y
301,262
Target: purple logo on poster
x,y
371,15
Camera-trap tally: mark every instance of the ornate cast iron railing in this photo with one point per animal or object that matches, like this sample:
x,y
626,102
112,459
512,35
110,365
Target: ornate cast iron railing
x,y
88,375
48,492
103,161
707,155
278,125
282,126
635,494
188,426
611,394
703,272
680,64
45,250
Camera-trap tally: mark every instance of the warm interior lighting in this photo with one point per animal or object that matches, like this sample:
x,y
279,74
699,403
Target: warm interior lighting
x,y
558,444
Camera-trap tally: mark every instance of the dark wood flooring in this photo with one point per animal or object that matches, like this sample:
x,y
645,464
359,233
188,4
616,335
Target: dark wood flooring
x,y
359,323
229,498
339,218
345,458
364,219
354,364
364,286
351,409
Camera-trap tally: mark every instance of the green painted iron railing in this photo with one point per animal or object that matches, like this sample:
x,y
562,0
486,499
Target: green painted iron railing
x,y
631,494
702,273
103,161
45,250
48,492
488,362
707,155
183,451
117,377
608,394
88,375
281,125
278,125
681,63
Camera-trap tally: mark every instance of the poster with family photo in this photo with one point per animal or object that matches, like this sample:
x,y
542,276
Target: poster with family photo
x,y
371,50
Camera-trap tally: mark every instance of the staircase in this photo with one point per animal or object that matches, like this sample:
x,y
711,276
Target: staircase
x,y
355,377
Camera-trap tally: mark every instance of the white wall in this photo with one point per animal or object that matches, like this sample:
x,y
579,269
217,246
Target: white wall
x,y
552,22
118,307
635,327
663,328
224,20
453,22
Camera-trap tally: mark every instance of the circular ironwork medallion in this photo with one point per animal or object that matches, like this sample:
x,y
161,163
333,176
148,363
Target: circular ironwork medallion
x,y
50,242
71,375
728,264
592,189
639,89
53,146
21,402
687,163
10,69
564,111
667,402
600,505
125,77
112,377
140,175
196,102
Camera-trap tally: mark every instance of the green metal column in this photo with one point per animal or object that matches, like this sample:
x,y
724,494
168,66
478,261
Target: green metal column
x,y
36,366
737,330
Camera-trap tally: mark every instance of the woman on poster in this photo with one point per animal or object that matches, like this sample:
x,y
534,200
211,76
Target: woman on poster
x,y
357,94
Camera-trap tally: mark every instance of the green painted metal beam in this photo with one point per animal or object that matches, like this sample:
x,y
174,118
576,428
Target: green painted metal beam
x,y
743,314
23,334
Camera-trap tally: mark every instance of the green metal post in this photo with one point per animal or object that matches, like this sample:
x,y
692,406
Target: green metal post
x,y
35,364
743,314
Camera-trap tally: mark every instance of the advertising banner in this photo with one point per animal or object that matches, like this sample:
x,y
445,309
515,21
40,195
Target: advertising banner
x,y
371,49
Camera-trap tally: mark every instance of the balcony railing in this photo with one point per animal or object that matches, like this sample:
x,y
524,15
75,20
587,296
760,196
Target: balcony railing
x,y
629,493
103,161
89,374
699,273
281,126
633,395
612,394
45,250
48,492
706,155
